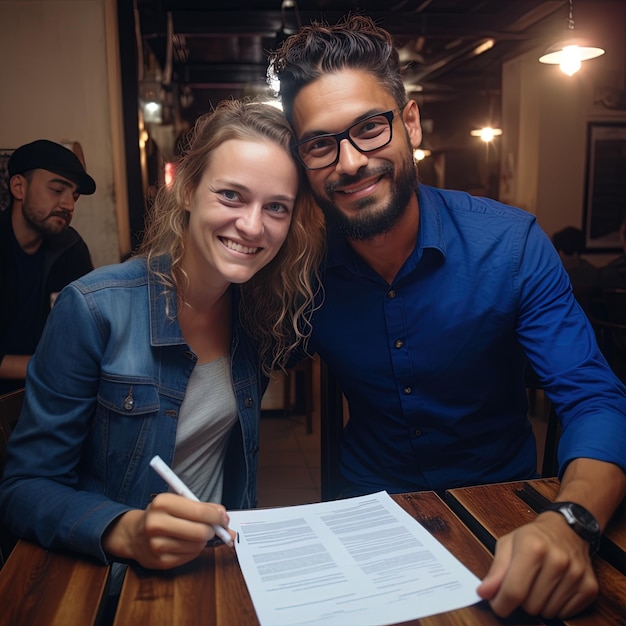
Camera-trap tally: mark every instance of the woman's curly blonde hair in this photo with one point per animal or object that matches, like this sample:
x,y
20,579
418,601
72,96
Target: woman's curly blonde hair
x,y
276,304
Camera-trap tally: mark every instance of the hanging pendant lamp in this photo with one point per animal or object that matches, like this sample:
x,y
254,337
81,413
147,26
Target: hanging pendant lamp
x,y
571,52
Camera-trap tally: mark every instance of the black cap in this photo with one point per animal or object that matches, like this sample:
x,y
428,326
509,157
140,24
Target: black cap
x,y
47,155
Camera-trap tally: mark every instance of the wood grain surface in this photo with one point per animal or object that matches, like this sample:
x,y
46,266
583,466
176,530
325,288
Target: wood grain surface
x,y
42,588
170,599
183,595
615,531
496,510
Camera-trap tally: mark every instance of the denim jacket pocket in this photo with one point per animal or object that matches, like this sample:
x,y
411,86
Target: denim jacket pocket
x,y
125,426
128,397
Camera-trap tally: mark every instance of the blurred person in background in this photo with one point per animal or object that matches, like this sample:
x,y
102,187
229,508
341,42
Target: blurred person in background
x,y
585,277
613,274
40,253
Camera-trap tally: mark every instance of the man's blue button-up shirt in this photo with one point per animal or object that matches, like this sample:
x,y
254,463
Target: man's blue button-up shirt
x,y
433,364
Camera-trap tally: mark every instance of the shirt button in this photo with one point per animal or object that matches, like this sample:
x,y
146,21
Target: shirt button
x,y
248,403
406,391
391,293
418,432
399,343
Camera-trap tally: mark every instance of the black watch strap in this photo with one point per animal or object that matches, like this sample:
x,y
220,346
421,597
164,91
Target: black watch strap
x,y
580,520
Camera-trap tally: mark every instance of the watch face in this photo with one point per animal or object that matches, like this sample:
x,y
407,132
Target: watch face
x,y
580,521
585,518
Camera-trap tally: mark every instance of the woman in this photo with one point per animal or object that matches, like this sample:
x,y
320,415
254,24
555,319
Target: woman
x,y
154,356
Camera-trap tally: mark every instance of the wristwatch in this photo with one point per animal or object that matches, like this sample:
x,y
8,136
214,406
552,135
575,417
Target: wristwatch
x,y
580,521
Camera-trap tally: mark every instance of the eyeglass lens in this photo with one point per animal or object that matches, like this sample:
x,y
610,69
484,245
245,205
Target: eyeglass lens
x,y
369,134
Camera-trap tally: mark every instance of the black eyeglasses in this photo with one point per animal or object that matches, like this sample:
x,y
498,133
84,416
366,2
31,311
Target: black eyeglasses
x,y
367,135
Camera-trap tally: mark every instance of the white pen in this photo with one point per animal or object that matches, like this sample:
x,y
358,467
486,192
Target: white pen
x,y
179,487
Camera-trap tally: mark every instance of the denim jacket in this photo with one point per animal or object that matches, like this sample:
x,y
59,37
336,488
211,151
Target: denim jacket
x,y
103,393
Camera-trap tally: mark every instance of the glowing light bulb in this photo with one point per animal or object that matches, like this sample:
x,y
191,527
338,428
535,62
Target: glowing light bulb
x,y
419,154
571,62
487,133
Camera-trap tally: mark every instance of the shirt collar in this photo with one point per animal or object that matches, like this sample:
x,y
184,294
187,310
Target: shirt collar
x,y
431,229
430,233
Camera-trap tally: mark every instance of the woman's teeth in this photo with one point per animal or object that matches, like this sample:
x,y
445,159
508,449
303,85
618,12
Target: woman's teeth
x,y
237,247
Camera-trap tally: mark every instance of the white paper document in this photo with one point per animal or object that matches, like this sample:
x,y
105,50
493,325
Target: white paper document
x,y
355,562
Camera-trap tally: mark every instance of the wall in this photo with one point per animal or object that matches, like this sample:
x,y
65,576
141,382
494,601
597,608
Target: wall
x,y
59,78
55,74
545,116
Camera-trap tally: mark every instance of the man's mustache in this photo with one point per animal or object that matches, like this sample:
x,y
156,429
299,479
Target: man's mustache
x,y
345,179
66,215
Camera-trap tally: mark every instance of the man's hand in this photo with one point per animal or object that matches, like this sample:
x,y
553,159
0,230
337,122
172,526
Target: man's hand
x,y
543,567
171,531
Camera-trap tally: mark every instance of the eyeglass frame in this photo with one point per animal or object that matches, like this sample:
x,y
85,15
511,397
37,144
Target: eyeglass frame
x,y
345,134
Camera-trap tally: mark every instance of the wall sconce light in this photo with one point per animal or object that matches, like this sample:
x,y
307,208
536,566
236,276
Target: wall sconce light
x,y
420,154
570,53
151,101
487,133
152,112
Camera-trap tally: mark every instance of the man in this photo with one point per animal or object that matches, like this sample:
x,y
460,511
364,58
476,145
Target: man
x,y
570,244
39,252
433,302
613,275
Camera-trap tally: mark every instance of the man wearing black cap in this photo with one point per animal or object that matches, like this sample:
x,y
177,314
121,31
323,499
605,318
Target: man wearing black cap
x,y
39,252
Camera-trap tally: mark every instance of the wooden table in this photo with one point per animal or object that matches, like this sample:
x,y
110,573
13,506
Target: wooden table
x,y
212,590
41,588
492,511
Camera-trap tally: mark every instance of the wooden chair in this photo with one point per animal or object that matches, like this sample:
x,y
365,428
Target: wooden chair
x,y
610,329
331,430
305,369
549,462
10,408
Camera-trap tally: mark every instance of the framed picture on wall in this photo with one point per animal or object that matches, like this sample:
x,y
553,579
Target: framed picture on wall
x,y
605,188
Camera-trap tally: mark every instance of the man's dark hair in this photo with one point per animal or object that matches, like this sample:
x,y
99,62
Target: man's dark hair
x,y
571,240
354,43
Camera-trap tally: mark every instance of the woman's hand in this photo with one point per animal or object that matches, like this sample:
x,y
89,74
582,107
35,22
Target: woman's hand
x,y
171,531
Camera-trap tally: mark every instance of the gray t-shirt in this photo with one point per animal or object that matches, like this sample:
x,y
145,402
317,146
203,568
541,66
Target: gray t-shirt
x,y
207,415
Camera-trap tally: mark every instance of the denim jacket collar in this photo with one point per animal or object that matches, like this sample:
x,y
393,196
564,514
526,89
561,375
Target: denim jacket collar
x,y
164,327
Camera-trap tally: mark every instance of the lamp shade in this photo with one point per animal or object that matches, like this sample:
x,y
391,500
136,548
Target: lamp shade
x,y
570,52
558,51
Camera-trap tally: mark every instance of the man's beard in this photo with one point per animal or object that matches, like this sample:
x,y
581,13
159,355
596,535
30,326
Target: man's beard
x,y
368,224
43,227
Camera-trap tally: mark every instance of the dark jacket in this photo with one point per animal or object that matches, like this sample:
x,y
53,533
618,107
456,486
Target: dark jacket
x,y
66,258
